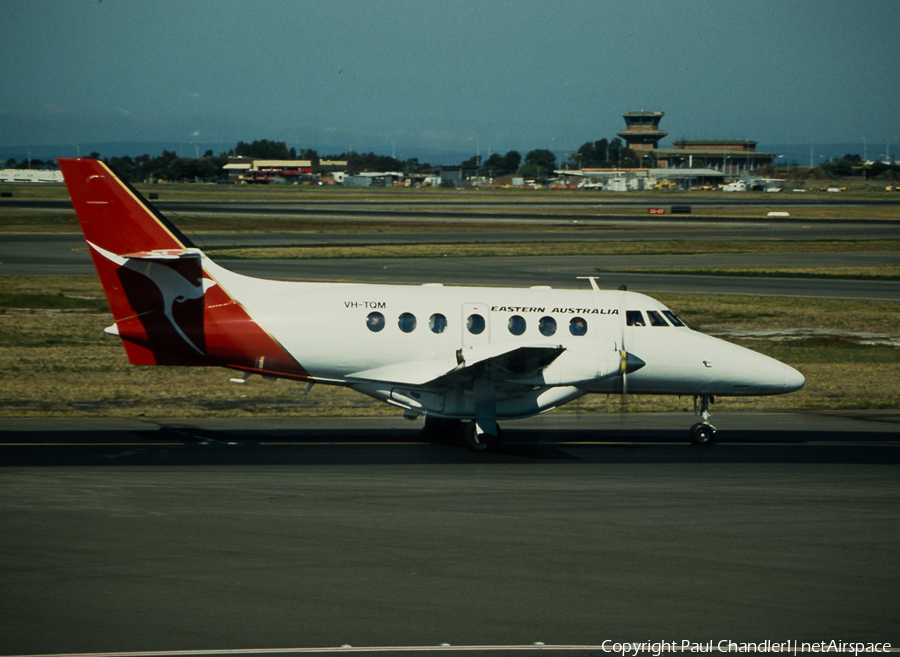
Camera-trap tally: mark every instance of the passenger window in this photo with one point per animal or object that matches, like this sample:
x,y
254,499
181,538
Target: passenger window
x,y
672,317
547,326
577,326
656,319
375,322
475,324
407,322
437,323
634,318
517,325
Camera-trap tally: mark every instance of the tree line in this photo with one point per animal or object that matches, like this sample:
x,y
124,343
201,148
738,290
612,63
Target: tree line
x,y
537,164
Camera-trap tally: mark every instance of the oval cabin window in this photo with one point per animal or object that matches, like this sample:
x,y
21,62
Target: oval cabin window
x,y
375,322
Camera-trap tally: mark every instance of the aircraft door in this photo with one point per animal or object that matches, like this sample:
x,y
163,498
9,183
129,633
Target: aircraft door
x,y
476,327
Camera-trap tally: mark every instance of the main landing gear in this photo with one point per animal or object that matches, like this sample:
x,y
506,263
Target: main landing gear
x,y
478,440
445,430
482,433
703,432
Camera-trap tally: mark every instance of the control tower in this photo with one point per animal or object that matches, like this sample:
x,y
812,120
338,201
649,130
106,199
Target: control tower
x,y
642,133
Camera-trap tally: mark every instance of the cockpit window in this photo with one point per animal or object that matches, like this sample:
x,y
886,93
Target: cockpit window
x,y
517,325
634,318
437,323
547,326
672,317
656,319
407,322
577,326
375,322
475,324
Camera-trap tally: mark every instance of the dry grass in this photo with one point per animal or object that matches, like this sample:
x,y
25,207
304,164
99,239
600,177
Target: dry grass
x,y
881,272
469,248
60,364
717,314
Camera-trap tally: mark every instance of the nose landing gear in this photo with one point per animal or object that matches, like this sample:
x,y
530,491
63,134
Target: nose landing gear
x,y
703,432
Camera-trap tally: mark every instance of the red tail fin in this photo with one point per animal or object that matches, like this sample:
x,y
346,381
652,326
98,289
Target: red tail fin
x,y
168,309
117,223
113,215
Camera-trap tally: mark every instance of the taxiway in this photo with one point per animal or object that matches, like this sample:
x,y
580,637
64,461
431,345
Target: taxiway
x,y
192,535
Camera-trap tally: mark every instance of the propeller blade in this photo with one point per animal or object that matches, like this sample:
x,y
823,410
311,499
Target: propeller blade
x,y
623,365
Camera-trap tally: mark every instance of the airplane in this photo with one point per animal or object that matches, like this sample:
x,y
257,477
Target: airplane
x,y
462,357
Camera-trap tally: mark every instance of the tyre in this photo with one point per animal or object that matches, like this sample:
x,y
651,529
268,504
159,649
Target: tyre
x,y
701,434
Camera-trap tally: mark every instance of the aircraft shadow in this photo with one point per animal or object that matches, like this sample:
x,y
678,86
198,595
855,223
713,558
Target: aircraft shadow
x,y
168,446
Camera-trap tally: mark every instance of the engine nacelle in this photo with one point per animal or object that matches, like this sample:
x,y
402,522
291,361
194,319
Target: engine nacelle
x,y
588,360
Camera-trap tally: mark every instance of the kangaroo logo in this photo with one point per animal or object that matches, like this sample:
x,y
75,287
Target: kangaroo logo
x,y
173,287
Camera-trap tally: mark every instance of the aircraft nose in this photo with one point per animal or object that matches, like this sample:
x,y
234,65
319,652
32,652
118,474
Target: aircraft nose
x,y
749,372
793,380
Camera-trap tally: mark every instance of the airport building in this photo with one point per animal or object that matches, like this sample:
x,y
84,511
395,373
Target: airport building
x,y
642,131
701,164
252,171
30,176
731,158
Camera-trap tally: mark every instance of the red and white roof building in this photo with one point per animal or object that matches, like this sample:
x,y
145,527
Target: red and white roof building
x,y
251,170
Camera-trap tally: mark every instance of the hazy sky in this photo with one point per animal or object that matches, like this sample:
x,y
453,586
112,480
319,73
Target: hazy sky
x,y
450,74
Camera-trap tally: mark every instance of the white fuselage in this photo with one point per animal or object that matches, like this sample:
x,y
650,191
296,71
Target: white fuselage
x,y
426,331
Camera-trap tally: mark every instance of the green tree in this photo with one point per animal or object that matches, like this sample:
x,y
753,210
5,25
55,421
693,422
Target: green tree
x,y
511,161
539,163
593,154
357,162
264,149
412,165
503,164
496,162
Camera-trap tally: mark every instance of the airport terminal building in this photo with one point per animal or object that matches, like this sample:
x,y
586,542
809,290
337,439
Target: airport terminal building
x,y
729,157
700,164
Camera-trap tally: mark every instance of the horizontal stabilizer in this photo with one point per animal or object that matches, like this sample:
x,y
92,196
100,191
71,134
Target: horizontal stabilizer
x,y
165,254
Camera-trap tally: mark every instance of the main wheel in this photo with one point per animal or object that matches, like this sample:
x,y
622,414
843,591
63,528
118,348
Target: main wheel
x,y
701,434
483,442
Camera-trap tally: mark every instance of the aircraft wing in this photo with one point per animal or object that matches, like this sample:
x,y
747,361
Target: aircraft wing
x,y
496,361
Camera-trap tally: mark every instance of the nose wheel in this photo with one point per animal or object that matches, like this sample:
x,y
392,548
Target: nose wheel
x,y
703,432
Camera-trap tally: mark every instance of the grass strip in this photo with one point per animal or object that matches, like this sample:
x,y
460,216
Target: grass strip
x,y
882,273
59,363
471,248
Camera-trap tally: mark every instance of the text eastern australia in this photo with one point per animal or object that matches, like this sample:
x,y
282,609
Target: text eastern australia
x,y
557,311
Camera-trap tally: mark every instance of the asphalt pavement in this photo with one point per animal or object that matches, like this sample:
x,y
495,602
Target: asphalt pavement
x,y
303,535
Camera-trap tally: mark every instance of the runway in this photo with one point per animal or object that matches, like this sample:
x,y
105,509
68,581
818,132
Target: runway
x,y
131,535
67,255
824,437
